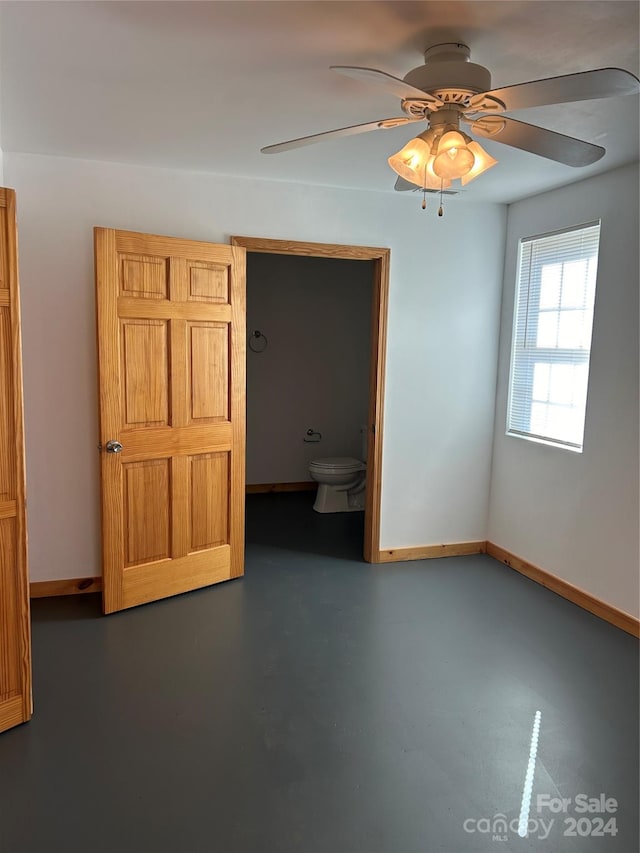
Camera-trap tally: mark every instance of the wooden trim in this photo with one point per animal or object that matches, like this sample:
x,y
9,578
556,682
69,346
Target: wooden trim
x,y
259,488
238,385
431,552
622,620
71,586
381,258
314,250
377,362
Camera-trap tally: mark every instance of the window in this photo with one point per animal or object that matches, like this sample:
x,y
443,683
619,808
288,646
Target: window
x,y
553,316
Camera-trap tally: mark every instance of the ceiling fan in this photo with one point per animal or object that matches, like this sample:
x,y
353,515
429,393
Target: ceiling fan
x,y
448,90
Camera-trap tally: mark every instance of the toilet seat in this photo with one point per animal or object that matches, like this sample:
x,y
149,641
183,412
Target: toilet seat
x,y
337,464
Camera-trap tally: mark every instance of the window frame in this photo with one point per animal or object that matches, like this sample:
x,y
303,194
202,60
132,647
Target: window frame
x,y
544,355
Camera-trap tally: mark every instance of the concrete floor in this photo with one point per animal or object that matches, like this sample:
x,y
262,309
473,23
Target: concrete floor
x,y
323,705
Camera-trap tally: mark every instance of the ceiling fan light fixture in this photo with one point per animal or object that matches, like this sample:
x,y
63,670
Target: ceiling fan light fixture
x,y
414,162
482,162
449,89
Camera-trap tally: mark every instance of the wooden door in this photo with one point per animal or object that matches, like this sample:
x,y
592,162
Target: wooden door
x,y
15,639
171,351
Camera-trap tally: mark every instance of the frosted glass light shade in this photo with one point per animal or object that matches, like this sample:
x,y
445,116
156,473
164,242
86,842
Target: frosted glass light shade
x,y
451,139
454,159
483,161
453,163
410,158
414,163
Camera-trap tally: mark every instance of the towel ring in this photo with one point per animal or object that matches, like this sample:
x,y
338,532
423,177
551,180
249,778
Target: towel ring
x,y
258,342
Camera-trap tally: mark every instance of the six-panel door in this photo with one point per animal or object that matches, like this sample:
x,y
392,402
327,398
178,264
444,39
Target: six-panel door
x,y
15,640
171,341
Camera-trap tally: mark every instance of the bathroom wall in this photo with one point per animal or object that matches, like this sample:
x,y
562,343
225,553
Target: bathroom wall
x,y
576,514
314,374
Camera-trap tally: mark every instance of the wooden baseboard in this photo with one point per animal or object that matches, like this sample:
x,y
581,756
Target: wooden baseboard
x,y
567,590
71,586
257,488
624,621
430,552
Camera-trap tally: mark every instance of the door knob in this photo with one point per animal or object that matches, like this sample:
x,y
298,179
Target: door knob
x,y
113,447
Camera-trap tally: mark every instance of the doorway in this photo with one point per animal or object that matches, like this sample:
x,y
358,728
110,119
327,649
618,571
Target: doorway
x,y
379,302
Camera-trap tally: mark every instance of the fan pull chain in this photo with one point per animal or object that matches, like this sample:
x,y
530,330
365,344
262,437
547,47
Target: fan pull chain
x,y
440,209
424,189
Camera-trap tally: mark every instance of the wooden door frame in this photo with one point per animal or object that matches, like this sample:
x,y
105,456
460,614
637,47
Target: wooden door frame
x,y
380,300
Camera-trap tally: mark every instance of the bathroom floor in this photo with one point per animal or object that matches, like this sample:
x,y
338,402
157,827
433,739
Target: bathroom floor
x,y
324,705
287,520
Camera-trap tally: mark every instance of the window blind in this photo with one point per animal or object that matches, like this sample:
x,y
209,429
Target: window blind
x,y
551,346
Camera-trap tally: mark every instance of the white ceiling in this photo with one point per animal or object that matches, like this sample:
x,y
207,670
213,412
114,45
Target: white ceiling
x,y
202,86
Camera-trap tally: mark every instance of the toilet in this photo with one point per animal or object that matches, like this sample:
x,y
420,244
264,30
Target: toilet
x,y
341,481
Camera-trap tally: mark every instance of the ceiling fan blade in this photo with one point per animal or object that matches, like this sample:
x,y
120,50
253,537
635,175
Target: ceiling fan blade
x,y
583,86
381,124
402,186
387,82
539,140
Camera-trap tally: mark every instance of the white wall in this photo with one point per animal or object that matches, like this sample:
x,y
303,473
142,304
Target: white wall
x,y
576,515
1,152
442,334
314,373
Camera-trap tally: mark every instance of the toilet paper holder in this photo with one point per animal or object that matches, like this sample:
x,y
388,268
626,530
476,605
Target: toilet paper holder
x,y
313,437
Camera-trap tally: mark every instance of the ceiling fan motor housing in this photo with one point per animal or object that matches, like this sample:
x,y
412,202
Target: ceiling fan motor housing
x,y
447,70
